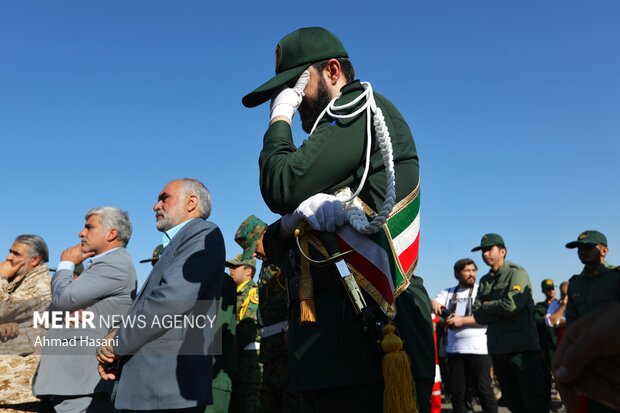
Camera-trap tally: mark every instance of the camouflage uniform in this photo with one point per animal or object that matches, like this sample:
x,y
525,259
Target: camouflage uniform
x,y
276,394
246,380
19,357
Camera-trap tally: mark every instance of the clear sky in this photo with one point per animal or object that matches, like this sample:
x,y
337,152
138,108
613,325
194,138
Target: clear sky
x,y
515,109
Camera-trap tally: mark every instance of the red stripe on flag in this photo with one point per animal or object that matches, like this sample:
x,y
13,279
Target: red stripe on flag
x,y
408,256
370,272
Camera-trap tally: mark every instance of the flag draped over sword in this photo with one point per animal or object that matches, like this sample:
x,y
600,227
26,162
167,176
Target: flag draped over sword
x,y
383,263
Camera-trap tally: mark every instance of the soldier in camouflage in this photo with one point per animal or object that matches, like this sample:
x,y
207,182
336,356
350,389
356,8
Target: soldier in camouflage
x,y
275,393
246,380
24,288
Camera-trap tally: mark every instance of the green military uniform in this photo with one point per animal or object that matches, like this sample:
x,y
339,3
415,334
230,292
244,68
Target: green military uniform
x,y
225,364
246,380
546,336
331,361
504,303
591,289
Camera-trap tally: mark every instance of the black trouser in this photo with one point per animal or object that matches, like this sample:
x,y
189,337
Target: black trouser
x,y
521,379
471,371
546,356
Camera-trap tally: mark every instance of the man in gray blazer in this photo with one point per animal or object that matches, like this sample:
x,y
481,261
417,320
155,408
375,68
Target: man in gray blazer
x,y
67,378
157,372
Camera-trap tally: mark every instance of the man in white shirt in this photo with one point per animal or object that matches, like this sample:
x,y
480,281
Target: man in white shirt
x,y
469,364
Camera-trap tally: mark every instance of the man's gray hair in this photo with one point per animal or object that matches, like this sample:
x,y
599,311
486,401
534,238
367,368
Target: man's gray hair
x,y
38,246
113,218
192,186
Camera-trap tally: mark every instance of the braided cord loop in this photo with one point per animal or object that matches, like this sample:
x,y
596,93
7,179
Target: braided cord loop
x,y
355,214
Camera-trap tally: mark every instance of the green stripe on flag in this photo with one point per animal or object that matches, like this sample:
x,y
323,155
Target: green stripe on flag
x,y
380,238
399,222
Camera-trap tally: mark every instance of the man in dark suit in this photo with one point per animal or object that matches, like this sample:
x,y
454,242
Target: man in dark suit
x,y
67,377
158,372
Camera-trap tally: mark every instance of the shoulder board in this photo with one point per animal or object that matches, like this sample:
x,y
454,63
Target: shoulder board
x,y
513,265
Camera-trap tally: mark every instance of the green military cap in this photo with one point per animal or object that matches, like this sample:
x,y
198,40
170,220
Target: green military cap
x,y
295,52
248,233
156,253
547,285
238,260
489,240
588,237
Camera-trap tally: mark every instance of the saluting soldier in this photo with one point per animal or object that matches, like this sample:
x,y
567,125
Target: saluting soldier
x,y
275,394
505,304
334,363
598,284
246,380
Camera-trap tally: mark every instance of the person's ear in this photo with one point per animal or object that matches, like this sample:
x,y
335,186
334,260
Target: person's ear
x,y
332,71
191,203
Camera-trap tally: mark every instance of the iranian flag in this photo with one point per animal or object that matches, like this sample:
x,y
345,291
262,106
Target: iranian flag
x,y
383,263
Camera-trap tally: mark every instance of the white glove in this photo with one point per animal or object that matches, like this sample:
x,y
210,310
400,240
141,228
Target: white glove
x,y
322,211
285,100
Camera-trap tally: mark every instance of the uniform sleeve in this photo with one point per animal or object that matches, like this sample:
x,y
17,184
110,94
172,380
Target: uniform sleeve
x,y
517,297
17,308
539,315
247,328
481,317
289,175
571,310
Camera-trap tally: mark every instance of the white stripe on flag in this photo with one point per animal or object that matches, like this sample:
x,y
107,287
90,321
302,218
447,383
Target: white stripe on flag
x,y
407,237
370,250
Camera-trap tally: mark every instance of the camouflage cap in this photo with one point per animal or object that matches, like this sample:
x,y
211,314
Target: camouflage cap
x,y
248,233
547,285
489,240
589,237
156,253
238,260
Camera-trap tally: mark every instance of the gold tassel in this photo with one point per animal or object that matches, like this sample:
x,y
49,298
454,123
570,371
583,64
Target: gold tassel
x,y
306,289
399,390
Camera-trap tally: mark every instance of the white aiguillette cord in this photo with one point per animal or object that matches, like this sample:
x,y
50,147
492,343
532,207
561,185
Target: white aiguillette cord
x,y
354,211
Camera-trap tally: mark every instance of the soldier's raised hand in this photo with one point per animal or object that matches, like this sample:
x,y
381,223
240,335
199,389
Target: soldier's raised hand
x,y
286,100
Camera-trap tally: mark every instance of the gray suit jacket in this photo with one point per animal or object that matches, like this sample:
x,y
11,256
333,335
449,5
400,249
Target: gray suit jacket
x,y
105,288
156,372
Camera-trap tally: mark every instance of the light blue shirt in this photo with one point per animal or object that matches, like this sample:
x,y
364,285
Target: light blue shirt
x,y
168,235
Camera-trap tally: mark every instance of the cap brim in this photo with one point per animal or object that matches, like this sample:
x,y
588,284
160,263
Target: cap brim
x,y
575,244
249,252
263,93
148,260
478,248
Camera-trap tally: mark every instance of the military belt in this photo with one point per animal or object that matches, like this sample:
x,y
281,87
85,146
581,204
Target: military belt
x,y
273,329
